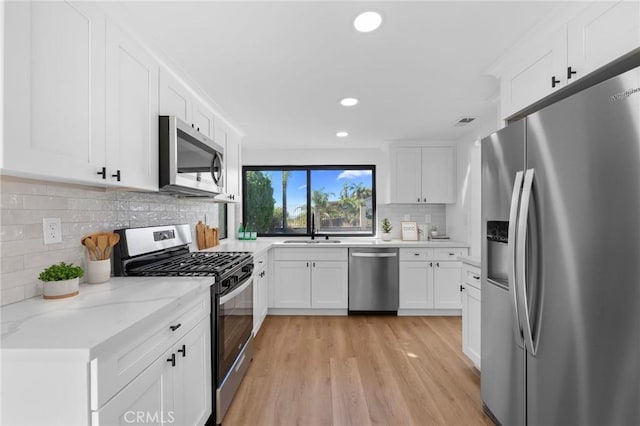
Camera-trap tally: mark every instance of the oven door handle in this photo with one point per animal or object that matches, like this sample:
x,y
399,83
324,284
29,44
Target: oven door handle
x,y
224,299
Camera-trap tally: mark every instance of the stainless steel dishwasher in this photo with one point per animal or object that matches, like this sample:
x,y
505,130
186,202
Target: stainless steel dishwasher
x,y
373,280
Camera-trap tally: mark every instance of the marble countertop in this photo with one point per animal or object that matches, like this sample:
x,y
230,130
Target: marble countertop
x,y
81,326
261,245
472,260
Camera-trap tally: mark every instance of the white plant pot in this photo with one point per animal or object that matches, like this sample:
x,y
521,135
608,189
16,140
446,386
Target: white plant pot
x,y
60,289
434,233
386,236
98,271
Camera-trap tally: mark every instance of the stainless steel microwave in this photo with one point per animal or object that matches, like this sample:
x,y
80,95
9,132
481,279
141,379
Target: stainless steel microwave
x,y
191,164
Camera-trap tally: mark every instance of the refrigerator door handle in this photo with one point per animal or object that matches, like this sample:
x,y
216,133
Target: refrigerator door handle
x,y
521,259
512,249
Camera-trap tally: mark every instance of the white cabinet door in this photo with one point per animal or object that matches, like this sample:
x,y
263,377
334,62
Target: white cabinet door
x,y
530,76
232,162
329,284
446,285
193,385
203,119
175,98
150,396
416,285
603,32
438,177
132,112
406,169
260,299
54,90
471,303
292,287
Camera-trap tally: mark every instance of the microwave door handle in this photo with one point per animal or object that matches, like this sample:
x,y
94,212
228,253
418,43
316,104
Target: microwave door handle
x,y
224,299
512,251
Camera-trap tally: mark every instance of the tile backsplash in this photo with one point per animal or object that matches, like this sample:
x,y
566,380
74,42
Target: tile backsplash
x,y
82,210
396,213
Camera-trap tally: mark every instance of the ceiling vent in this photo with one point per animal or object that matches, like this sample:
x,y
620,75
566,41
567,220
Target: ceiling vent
x,y
464,121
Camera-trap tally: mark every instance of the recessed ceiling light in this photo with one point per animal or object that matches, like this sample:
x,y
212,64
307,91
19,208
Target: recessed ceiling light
x,y
342,134
367,21
349,102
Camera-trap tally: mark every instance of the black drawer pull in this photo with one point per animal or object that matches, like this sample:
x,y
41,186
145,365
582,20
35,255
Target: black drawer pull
x,y
183,351
175,327
172,360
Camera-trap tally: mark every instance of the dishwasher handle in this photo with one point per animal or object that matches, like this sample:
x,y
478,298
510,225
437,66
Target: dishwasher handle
x,y
359,254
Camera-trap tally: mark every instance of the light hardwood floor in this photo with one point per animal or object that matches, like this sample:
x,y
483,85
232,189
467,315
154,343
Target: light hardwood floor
x,y
359,370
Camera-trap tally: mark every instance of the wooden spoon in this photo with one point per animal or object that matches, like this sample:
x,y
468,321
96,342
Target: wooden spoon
x,y
103,243
113,240
91,248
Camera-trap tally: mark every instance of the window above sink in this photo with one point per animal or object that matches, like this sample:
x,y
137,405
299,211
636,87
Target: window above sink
x,y
289,200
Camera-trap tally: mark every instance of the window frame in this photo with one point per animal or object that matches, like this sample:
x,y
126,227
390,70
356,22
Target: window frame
x,y
309,169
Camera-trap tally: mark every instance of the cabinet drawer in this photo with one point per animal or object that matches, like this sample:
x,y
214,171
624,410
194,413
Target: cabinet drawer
x,y
471,275
303,253
448,253
417,254
260,262
141,347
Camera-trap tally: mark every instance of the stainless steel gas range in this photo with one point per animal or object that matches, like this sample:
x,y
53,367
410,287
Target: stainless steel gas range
x,y
164,251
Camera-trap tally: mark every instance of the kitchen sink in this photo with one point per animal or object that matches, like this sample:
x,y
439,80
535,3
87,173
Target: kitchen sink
x,y
311,241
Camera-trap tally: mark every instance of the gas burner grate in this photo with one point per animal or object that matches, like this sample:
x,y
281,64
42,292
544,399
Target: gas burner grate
x,y
195,265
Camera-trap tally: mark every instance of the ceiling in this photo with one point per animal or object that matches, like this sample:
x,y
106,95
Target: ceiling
x,y
278,69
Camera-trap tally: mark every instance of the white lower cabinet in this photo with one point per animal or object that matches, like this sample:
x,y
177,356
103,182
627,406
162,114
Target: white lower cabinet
x,y
311,278
471,305
175,389
430,280
260,292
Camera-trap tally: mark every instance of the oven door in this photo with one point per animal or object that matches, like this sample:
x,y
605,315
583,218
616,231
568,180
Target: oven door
x,y
235,324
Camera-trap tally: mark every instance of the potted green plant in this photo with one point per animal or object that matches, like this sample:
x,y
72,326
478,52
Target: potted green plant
x,y
386,229
61,280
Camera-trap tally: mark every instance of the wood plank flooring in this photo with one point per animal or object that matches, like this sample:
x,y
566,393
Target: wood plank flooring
x,y
359,370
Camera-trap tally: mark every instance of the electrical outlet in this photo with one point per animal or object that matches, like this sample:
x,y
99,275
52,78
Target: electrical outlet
x,y
52,230
427,218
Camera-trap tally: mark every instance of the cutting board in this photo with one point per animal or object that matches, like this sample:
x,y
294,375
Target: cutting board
x,y
206,236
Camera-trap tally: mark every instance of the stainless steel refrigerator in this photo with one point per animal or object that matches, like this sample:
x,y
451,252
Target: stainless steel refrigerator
x,y
561,261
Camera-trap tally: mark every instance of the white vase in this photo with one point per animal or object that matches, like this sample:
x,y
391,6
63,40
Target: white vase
x,y
98,271
386,236
60,289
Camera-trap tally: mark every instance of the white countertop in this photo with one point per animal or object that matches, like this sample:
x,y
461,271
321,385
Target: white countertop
x,y
263,244
472,260
81,326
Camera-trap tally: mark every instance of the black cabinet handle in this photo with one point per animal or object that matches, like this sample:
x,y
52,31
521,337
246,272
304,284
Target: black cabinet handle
x,y
193,126
461,288
103,173
438,264
430,263
198,129
172,360
183,351
554,81
418,199
475,277
570,72
307,264
117,175
416,254
424,199
175,327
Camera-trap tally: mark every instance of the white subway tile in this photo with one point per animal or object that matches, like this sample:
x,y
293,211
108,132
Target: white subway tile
x,y
11,295
19,247
11,201
33,289
42,260
42,202
11,264
20,278
12,232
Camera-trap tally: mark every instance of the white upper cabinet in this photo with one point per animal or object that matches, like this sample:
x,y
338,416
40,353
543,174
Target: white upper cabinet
x,y
178,100
54,90
589,38
175,98
423,175
535,73
132,112
601,33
